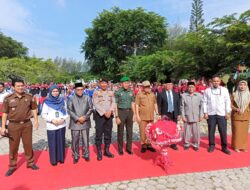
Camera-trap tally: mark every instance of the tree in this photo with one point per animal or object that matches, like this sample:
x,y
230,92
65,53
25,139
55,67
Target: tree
x,y
117,34
174,32
159,65
71,66
11,48
32,70
235,32
196,18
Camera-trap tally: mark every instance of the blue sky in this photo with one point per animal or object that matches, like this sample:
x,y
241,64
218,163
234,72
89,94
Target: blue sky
x,y
51,28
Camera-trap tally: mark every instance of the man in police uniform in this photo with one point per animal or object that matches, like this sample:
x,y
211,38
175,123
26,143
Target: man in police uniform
x,y
125,109
19,108
104,104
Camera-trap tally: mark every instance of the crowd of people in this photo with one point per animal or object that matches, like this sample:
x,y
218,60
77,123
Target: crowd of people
x,y
125,102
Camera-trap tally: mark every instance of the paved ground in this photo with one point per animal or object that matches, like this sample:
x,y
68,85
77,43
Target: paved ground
x,y
238,179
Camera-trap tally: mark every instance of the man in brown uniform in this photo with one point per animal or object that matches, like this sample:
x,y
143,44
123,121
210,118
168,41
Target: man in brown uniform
x,y
19,108
145,104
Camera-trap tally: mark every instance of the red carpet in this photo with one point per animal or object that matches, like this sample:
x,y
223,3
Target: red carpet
x,y
119,168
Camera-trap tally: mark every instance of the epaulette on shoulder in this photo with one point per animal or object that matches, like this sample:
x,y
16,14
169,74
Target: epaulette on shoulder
x,y
29,94
111,92
9,95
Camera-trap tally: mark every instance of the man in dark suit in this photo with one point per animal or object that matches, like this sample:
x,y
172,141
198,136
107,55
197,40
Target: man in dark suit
x,y
169,104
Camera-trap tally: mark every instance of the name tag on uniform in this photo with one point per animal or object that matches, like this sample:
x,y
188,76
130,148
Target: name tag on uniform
x,y
57,114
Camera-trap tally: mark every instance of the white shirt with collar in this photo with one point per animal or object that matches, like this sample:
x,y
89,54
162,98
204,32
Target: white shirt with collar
x,y
216,101
3,95
171,94
48,114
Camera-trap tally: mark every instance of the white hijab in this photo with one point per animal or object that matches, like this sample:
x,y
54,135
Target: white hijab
x,y
242,97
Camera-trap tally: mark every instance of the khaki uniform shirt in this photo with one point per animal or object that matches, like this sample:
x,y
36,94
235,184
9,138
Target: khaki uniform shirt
x,y
104,101
146,103
19,109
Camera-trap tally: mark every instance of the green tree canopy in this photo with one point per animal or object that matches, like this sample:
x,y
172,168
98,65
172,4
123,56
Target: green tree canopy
x,y
119,33
236,34
159,65
11,48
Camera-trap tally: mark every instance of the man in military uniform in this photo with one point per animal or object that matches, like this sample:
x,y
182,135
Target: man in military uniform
x,y
18,108
145,105
125,109
104,104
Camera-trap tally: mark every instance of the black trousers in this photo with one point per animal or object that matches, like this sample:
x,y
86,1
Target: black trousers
x,y
104,127
126,117
214,120
171,116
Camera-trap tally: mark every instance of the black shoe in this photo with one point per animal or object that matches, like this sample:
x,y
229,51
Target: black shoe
x,y
226,151
196,148
120,152
99,157
129,152
210,149
174,146
10,172
151,149
54,164
75,160
86,158
99,153
186,147
107,152
61,162
143,149
33,167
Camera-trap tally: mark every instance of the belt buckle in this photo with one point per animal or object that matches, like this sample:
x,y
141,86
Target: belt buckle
x,y
21,122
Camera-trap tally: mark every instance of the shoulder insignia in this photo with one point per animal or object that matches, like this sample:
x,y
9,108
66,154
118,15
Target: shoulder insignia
x,y
29,94
111,93
9,95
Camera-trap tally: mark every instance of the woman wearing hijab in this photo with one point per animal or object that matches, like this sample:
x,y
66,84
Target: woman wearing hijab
x,y
240,117
54,112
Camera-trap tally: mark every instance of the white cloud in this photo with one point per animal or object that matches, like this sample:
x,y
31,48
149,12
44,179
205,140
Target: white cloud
x,y
17,21
61,3
14,17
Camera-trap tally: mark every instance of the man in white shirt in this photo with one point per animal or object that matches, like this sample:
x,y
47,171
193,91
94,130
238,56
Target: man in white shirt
x,y
3,94
217,108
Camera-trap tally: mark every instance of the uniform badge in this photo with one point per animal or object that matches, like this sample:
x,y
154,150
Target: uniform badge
x,y
12,100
